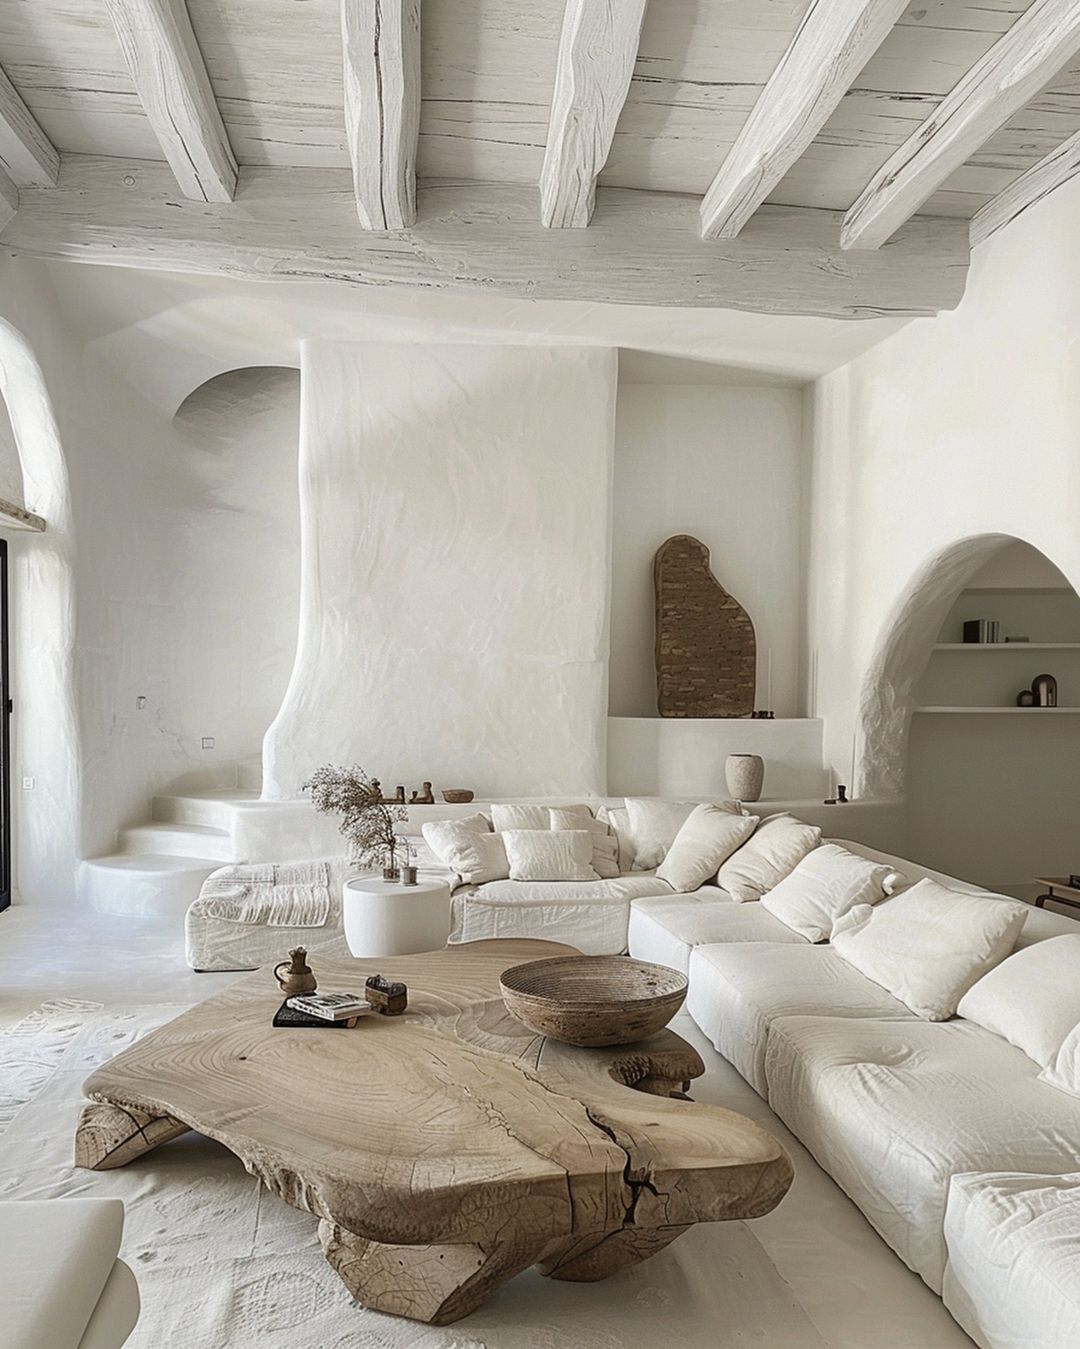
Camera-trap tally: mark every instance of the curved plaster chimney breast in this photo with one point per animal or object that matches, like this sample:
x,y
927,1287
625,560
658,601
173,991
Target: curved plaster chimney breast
x,y
706,652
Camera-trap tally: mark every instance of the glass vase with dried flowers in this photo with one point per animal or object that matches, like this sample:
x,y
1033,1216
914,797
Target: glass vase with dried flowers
x,y
367,821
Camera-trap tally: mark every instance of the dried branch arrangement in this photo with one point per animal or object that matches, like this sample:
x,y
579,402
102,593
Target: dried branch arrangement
x,y
367,821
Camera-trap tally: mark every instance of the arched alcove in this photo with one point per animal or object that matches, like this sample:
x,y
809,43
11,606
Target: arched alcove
x,y
42,590
988,785
238,550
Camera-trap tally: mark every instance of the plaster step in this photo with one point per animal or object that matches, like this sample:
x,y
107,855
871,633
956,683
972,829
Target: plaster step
x,y
210,808
140,884
177,840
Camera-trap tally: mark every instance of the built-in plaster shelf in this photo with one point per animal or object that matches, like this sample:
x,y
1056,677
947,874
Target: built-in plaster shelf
x,y
1007,646
1022,711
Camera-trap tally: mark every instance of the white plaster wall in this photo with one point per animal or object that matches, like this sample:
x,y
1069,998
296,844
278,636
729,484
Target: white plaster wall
x,y
11,477
959,426
723,464
455,506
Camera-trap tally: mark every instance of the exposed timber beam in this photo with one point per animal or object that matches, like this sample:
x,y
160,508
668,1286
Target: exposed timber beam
x,y
597,51
169,73
833,42
1037,182
27,155
380,42
1016,67
641,248
9,199
18,517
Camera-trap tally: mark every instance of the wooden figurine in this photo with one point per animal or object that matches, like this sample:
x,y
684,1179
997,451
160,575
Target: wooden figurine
x,y
388,999
298,978
425,798
399,796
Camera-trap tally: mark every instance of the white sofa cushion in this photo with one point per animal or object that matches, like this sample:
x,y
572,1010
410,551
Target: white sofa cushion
x,y
1063,1071
928,945
591,915
775,849
826,884
605,858
617,819
471,852
667,929
504,817
737,990
1013,1276
549,854
707,837
1032,998
894,1109
653,823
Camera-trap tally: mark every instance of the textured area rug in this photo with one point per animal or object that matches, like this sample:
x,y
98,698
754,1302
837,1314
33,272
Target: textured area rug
x,y
222,1264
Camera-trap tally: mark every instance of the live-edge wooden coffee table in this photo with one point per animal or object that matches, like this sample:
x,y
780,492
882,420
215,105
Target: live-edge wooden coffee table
x,y
447,1149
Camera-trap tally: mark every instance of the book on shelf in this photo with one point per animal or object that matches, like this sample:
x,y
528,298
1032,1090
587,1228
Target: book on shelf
x,y
329,1006
982,631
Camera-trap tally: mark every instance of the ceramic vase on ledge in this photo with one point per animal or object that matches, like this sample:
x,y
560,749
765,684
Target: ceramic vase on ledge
x,y
745,774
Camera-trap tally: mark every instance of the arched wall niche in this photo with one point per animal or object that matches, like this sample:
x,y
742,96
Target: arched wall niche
x,y
45,729
889,686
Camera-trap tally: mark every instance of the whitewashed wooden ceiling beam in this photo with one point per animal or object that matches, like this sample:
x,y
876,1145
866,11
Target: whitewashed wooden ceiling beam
x,y
380,42
27,155
597,51
166,64
1039,181
641,248
9,199
833,42
1015,68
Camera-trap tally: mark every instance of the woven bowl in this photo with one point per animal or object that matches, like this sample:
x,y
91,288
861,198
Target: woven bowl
x,y
593,1000
457,796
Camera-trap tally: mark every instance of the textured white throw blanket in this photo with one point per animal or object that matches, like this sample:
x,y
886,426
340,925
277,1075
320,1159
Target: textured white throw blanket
x,y
277,894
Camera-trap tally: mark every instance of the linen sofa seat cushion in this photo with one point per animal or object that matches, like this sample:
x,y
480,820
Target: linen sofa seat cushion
x,y
893,1109
58,1256
605,846
829,882
1032,998
707,837
653,824
1013,1276
930,944
773,851
591,915
470,851
549,854
504,817
737,991
667,929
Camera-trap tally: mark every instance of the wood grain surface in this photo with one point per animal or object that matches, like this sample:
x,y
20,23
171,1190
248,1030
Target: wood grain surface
x,y
447,1149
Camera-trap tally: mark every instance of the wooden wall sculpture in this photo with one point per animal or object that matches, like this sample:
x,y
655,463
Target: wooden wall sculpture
x,y
706,652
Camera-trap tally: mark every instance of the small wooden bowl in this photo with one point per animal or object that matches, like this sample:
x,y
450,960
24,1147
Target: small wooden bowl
x,y
593,1000
457,796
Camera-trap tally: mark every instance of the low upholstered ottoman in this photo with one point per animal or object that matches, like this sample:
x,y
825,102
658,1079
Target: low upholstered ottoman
x,y
63,1286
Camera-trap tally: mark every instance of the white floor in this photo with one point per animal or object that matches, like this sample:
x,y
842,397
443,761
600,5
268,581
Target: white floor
x,y
844,1282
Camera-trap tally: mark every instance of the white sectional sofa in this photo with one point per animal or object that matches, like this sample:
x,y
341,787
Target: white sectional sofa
x,y
941,1131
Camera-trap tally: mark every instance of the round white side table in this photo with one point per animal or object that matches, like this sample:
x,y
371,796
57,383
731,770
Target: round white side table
x,y
388,919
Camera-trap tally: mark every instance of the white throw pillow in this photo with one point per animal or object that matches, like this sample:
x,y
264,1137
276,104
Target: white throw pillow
x,y
530,817
828,882
549,854
469,848
928,945
605,846
708,837
1032,999
1064,1072
617,819
774,850
654,823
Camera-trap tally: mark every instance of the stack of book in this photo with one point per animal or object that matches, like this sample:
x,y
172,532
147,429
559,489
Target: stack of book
x,y
982,631
322,1009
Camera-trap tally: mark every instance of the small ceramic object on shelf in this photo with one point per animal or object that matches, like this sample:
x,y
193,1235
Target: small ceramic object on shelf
x,y
1025,698
1044,687
745,775
457,796
424,798
298,977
